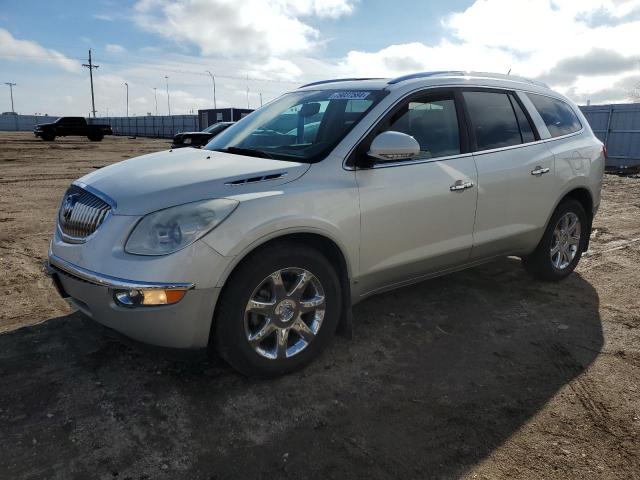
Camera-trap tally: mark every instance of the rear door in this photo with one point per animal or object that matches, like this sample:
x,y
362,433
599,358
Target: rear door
x,y
417,215
516,189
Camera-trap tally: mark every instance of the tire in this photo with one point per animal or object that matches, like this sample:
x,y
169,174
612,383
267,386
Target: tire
x,y
48,137
545,265
95,138
252,279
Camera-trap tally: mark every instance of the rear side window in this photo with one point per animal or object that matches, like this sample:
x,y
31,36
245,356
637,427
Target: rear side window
x,y
493,119
557,115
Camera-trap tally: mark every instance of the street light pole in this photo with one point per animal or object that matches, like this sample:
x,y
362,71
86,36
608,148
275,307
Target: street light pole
x,y
248,107
11,85
127,86
168,101
155,96
213,79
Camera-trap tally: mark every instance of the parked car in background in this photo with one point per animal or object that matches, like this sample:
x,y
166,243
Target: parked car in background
x,y
72,126
259,244
199,139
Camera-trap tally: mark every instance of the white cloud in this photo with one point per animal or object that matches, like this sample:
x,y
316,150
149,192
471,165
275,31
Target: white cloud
x,y
263,28
28,51
114,49
275,69
556,40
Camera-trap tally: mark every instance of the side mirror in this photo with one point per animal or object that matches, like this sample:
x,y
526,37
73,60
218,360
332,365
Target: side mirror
x,y
390,146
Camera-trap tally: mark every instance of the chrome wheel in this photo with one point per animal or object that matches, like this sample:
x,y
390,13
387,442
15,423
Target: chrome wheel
x,y
284,313
566,241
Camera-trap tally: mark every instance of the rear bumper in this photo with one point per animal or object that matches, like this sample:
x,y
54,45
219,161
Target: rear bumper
x,y
185,324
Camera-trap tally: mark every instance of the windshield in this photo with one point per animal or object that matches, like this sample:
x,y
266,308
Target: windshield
x,y
299,126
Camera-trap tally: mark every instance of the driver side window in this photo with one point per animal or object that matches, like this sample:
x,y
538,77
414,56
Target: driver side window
x,y
434,125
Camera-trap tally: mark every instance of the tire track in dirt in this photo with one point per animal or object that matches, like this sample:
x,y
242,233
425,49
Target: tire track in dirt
x,y
591,399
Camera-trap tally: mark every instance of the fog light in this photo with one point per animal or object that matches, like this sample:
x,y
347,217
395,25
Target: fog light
x,y
132,298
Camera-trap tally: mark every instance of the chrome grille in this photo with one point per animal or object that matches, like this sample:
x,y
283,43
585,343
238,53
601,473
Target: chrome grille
x,y
81,213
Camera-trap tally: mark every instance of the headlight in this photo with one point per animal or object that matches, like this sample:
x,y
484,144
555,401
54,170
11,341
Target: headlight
x,y
169,230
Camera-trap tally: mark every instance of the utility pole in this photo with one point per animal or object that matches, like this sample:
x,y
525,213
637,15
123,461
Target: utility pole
x,y
168,101
261,99
127,86
91,66
155,96
11,85
213,79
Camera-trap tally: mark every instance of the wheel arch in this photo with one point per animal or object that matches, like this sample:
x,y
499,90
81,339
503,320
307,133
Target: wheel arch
x,y
583,196
316,240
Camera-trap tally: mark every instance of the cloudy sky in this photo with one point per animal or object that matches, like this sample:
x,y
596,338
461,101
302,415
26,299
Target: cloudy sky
x,y
588,49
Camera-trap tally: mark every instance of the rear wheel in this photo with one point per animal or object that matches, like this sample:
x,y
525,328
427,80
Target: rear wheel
x,y
278,310
561,247
95,137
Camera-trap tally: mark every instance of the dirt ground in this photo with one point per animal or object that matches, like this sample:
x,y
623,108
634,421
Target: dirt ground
x,y
483,374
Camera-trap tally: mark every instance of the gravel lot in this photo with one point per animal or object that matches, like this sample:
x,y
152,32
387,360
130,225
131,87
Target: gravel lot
x,y
481,374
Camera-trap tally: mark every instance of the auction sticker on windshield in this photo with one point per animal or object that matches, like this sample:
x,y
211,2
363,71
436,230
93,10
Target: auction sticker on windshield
x,y
349,95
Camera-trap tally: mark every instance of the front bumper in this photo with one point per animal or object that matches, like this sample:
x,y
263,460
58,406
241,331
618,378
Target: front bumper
x,y
185,324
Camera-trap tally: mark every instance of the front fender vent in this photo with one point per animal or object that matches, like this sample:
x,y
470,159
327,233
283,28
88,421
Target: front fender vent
x,y
261,178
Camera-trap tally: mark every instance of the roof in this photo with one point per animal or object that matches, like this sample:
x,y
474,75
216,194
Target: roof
x,y
431,79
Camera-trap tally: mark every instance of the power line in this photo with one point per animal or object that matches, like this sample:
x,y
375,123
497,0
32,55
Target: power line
x,y
182,71
91,66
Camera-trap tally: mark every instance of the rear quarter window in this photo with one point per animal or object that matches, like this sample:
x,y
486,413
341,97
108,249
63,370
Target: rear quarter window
x,y
557,115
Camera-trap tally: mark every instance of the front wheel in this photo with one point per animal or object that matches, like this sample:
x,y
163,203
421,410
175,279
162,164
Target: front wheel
x,y
562,244
278,310
48,137
95,138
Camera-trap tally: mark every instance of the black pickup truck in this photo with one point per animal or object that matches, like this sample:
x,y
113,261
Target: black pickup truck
x,y
71,126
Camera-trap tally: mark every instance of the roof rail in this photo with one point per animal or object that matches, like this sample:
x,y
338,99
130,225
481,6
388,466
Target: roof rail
x,y
411,76
458,73
322,82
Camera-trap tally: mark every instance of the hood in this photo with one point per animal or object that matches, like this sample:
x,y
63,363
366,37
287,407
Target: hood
x,y
164,179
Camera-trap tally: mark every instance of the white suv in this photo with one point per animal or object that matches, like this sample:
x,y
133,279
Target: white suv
x,y
260,243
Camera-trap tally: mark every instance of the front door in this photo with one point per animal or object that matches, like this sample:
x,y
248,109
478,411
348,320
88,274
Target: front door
x,y
417,216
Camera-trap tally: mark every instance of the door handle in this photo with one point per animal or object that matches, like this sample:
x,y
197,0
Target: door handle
x,y
460,185
539,171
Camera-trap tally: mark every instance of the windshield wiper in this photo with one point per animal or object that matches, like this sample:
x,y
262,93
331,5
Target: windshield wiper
x,y
248,151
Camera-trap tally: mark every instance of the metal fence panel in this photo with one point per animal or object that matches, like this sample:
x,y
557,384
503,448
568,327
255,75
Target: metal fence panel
x,y
22,123
149,126
618,127
162,126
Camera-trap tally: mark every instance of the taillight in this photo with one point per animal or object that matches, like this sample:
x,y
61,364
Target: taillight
x,y
604,151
